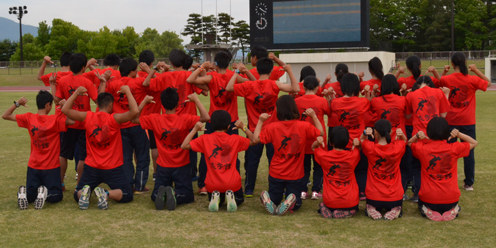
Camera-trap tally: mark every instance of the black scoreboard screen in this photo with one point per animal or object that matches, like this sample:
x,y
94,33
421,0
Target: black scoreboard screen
x,y
307,24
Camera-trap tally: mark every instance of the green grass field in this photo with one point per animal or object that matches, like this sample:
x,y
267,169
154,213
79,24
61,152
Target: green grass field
x,y
138,224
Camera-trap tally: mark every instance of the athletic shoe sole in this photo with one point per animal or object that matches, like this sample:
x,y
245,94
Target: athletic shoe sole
x,y
248,194
213,206
231,202
170,201
39,202
22,201
324,211
84,200
373,213
160,198
102,198
393,214
432,215
267,202
286,205
451,214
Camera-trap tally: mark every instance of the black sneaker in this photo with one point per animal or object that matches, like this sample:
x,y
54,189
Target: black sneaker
x,y
160,199
22,200
170,201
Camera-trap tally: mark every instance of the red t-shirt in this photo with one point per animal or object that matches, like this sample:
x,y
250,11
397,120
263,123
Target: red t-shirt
x,y
371,83
410,81
384,175
103,141
261,97
340,187
177,79
121,104
220,99
221,151
277,72
116,75
462,97
44,131
46,78
439,176
350,112
66,87
302,91
333,119
151,108
170,130
425,104
320,106
289,140
392,108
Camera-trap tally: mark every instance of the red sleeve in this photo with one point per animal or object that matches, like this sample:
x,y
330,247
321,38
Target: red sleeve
x,y
59,88
318,154
311,131
198,144
444,105
408,109
326,108
479,83
110,87
91,76
192,120
356,156
46,79
417,149
145,122
367,147
243,89
61,126
461,149
436,82
89,117
244,143
92,92
23,120
277,72
265,136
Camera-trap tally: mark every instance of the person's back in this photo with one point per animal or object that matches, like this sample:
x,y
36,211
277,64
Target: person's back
x,y
349,111
261,97
220,99
319,105
104,141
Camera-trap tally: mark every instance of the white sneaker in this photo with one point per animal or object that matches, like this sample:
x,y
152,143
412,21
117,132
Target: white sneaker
x,y
22,200
468,188
76,176
304,195
316,195
231,201
40,199
214,202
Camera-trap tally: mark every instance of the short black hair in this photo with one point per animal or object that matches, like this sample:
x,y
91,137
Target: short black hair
x,y
350,85
383,127
188,62
112,59
413,63
104,100
222,59
127,66
176,57
265,66
259,52
340,137
220,120
438,129
307,71
65,59
375,67
169,98
77,62
423,80
43,98
311,83
286,108
389,84
147,57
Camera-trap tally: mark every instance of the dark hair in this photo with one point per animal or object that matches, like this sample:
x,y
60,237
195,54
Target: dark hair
x,y
413,63
286,108
265,66
383,127
176,57
222,59
340,137
220,120
375,67
389,85
311,83
169,98
458,59
112,59
307,71
259,52
340,71
104,100
188,62
423,80
147,57
65,59
43,98
350,85
127,66
77,62
438,129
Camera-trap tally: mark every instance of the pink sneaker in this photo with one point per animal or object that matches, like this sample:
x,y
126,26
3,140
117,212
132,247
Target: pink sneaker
x,y
373,213
316,195
468,188
432,215
451,215
393,214
324,211
362,196
341,214
304,195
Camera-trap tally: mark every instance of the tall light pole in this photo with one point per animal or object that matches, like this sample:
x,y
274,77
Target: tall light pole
x,y
452,26
20,12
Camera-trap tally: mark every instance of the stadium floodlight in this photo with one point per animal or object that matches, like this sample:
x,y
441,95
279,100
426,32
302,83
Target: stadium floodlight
x,y
22,11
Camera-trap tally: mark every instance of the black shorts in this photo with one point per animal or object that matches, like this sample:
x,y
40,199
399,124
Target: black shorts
x,y
68,142
151,138
344,209
440,208
387,205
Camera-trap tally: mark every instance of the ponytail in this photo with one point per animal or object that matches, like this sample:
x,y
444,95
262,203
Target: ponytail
x,y
388,137
383,127
458,59
413,63
423,80
375,67
340,71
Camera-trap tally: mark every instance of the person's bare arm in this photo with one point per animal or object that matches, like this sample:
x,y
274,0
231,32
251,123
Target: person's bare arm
x,y
133,106
368,132
400,135
400,71
9,113
293,87
67,107
256,135
420,135
146,100
434,72
41,72
456,134
230,85
239,125
198,127
318,142
151,75
474,69
53,87
446,70
204,117
276,59
315,119
91,64
195,79
103,80
242,69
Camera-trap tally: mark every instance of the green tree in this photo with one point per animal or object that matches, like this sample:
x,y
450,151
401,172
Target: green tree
x,y
470,29
160,44
241,34
64,36
7,49
43,34
225,26
30,50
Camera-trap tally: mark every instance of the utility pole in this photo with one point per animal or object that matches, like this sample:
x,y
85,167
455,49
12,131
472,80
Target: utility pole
x,y
20,12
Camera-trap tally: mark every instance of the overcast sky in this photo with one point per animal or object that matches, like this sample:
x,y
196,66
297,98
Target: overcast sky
x,y
117,14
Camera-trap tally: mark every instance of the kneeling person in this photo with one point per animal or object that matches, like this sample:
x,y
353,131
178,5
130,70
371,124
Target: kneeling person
x,y
104,161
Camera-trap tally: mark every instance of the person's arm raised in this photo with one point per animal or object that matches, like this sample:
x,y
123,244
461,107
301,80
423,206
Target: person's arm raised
x,y
239,125
434,72
457,134
315,119
146,100
9,113
204,117
198,127
419,136
67,107
232,81
294,87
318,142
276,59
473,68
400,71
256,135
242,69
41,72
133,106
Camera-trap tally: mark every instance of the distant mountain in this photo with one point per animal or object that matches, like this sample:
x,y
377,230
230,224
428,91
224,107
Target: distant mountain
x,y
10,29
